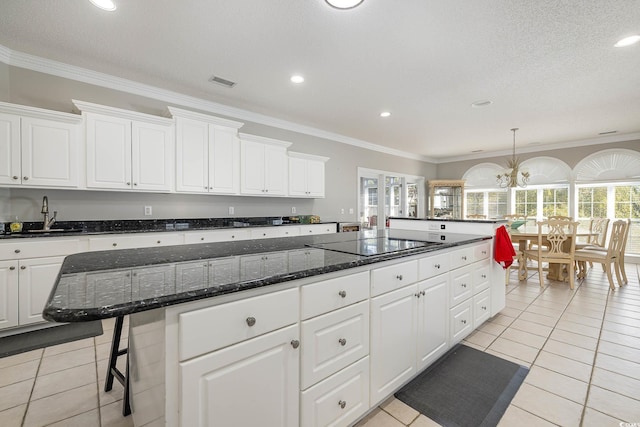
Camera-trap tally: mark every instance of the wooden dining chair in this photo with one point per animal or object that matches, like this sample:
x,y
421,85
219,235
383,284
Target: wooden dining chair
x,y
560,217
599,227
555,245
620,265
609,258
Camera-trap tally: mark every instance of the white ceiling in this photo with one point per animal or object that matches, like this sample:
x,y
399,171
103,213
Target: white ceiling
x,y
548,66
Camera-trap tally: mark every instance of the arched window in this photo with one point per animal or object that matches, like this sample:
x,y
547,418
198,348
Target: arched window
x,y
481,191
608,186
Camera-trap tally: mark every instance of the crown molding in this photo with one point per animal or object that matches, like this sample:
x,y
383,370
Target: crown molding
x,y
88,107
546,147
40,113
263,140
59,69
307,156
178,112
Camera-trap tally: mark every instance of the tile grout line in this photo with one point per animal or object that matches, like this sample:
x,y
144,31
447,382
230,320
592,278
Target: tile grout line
x,y
33,387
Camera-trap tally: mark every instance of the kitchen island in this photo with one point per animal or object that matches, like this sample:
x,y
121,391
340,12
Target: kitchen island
x,y
298,331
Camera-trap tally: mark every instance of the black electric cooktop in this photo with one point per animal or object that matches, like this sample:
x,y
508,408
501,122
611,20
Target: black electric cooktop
x,y
373,246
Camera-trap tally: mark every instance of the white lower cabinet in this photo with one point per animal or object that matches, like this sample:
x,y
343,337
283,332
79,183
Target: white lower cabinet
x,y
253,383
461,321
339,400
8,294
393,341
433,320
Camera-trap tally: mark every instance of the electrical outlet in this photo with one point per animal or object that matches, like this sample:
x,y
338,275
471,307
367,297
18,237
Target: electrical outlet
x,y
232,210
350,211
293,209
342,211
148,211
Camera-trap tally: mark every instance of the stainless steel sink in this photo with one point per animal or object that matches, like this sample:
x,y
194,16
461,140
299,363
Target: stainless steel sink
x,y
56,230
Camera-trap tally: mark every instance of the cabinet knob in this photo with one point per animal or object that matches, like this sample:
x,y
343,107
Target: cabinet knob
x,y
484,308
484,252
342,404
135,183
114,244
251,321
295,343
423,293
233,237
23,267
484,276
437,266
342,341
464,322
206,188
12,268
343,294
266,191
464,285
158,241
464,258
417,294
14,177
399,277
202,238
128,183
25,178
17,251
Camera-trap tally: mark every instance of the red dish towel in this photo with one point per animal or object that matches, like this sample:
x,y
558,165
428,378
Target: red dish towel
x,y
504,251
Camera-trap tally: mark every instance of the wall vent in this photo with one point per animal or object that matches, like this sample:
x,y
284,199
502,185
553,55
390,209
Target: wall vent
x,y
221,81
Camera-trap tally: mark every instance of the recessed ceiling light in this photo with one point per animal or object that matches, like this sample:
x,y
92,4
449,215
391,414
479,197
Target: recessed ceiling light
x,y
385,114
627,41
296,78
344,4
480,104
107,5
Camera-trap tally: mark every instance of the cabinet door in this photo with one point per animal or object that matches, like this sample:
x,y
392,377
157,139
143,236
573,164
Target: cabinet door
x,y
36,279
276,170
108,152
461,284
49,153
393,341
192,156
315,178
252,166
297,177
8,294
433,317
481,307
254,383
461,321
10,149
224,161
151,156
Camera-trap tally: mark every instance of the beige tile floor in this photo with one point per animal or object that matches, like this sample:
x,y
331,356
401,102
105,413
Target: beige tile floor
x,y
582,346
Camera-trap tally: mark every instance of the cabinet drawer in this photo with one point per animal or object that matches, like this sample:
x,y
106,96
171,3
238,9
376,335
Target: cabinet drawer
x,y
317,229
461,285
462,257
481,276
333,341
434,265
481,307
216,236
208,329
481,251
396,276
37,248
322,404
461,321
279,231
322,297
138,240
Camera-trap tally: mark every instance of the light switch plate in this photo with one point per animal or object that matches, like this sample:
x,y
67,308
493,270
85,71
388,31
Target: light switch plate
x,y
148,211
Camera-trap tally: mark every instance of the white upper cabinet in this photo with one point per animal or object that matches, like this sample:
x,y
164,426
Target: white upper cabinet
x,y
127,150
263,166
207,153
38,148
306,175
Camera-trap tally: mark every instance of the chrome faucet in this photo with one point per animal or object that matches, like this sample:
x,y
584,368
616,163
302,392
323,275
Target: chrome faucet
x,y
47,223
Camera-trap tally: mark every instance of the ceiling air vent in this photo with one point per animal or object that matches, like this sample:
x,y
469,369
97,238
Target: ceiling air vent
x,y
608,132
221,81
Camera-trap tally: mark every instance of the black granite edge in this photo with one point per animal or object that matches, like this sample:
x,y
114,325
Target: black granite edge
x,y
488,221
81,315
152,225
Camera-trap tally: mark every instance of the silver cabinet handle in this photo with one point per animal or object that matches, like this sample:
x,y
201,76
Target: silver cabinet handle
x,y
14,177
484,252
158,241
423,293
464,322
437,266
114,244
399,277
484,308
26,178
17,251
417,294
202,238
464,285
23,267
484,276
342,404
464,258
295,343
128,183
12,268
342,341
343,294
251,321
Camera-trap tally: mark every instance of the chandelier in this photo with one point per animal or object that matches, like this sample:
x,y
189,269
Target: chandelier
x,y
513,175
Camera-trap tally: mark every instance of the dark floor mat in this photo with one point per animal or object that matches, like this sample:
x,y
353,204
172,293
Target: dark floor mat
x,y
464,388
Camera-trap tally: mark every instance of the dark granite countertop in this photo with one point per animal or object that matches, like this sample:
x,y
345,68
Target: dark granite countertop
x,y
489,221
103,284
75,228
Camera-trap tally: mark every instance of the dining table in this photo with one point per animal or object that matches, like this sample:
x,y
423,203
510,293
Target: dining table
x,y
526,234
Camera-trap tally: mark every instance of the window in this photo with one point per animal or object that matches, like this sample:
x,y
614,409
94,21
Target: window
x,y
492,203
615,201
555,201
526,202
542,202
